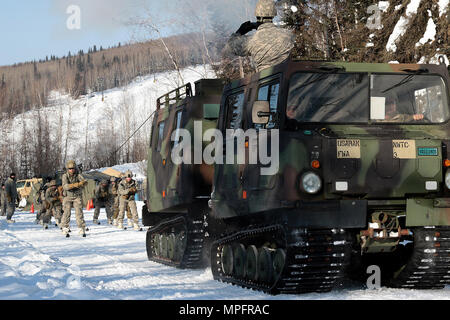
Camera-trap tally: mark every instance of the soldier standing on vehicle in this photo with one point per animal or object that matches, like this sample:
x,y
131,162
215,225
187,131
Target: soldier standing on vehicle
x,y
102,197
3,200
270,45
73,184
127,190
53,198
11,197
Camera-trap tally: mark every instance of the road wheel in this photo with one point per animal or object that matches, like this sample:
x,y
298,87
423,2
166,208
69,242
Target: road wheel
x,y
171,239
240,257
265,265
227,260
251,265
279,260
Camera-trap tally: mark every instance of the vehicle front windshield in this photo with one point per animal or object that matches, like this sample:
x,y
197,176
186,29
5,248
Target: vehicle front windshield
x,y
20,184
325,97
360,98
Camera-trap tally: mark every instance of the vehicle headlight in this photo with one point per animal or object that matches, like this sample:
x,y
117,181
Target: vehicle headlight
x,y
447,179
311,183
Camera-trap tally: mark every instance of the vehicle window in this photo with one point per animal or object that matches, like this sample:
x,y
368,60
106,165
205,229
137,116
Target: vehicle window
x,y
235,104
269,93
177,127
328,97
20,184
160,135
408,99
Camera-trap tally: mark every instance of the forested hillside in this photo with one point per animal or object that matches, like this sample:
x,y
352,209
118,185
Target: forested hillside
x,y
27,85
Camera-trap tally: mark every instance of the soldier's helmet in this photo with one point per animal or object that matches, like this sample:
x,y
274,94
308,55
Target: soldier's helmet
x,y
104,181
52,183
128,174
71,165
265,9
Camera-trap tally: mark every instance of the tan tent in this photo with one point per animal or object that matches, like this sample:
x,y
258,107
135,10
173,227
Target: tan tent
x,y
111,172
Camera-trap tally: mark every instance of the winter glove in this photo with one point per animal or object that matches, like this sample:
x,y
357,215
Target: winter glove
x,y
132,190
246,27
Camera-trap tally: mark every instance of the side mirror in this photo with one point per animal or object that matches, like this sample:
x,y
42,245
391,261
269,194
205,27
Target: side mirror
x,y
261,112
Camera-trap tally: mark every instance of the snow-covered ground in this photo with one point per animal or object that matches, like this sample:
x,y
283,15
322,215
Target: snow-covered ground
x,y
112,264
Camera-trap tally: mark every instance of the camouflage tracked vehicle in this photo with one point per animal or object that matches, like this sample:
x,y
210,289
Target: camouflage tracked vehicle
x,y
179,193
363,178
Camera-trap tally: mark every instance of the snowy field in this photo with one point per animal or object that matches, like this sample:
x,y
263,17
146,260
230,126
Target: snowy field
x,y
111,264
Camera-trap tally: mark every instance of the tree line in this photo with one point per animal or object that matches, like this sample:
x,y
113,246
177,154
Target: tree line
x,y
26,86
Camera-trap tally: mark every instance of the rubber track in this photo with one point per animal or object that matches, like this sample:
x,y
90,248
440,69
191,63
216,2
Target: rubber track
x,y
315,259
429,265
193,255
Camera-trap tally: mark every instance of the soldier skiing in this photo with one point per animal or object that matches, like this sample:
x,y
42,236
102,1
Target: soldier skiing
x,y
11,197
270,45
73,184
127,191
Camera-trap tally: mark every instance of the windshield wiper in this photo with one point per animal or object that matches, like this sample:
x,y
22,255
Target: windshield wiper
x,y
332,103
404,81
407,79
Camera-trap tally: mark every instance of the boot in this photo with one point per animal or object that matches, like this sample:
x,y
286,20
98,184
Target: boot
x,y
136,227
115,223
45,226
11,221
65,232
110,222
130,223
120,225
82,233
96,222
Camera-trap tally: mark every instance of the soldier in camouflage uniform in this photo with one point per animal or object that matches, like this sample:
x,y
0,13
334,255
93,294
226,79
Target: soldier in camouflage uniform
x,y
114,191
53,198
113,201
3,200
11,197
42,205
270,45
127,190
102,199
73,184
